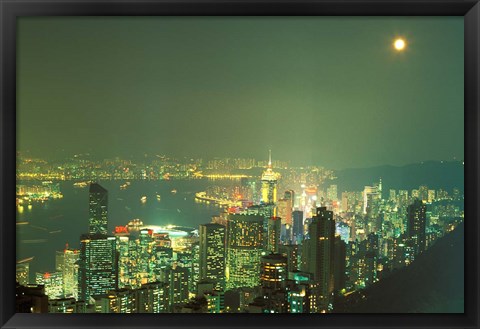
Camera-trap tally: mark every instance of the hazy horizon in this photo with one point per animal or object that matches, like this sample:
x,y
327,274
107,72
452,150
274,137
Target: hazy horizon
x,y
236,87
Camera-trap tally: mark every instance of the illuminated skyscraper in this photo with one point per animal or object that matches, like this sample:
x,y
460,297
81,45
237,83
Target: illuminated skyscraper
x,y
97,272
273,271
176,278
68,266
23,273
297,216
244,248
273,234
318,255
212,254
53,283
98,211
269,183
417,220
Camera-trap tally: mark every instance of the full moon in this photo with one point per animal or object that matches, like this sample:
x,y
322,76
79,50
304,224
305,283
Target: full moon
x,y
399,44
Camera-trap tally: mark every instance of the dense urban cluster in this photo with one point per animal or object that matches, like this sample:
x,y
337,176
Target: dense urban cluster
x,y
279,244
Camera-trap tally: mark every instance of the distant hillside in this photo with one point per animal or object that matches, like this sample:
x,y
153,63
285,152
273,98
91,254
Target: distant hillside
x,y
434,174
434,283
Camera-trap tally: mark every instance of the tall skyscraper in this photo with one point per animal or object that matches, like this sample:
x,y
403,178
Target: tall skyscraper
x,y
244,248
66,263
176,278
417,219
269,183
98,265
273,271
318,255
297,225
273,234
98,211
212,254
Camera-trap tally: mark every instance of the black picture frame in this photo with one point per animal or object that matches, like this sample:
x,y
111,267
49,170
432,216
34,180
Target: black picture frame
x,y
10,10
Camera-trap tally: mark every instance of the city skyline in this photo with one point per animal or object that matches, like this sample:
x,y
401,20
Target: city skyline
x,y
148,85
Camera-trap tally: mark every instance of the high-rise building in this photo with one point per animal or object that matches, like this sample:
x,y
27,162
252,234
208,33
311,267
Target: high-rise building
x,y
176,278
297,225
284,211
23,273
244,248
67,264
273,234
273,271
212,254
98,266
98,211
332,193
339,268
417,220
318,256
290,195
53,282
153,297
291,252
269,183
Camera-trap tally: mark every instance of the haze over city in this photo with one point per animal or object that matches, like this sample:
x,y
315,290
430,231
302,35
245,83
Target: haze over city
x,y
208,87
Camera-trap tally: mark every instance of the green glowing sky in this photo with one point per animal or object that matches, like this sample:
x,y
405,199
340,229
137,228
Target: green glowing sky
x,y
329,91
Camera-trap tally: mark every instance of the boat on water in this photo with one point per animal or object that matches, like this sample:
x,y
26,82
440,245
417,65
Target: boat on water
x,y
125,186
143,199
174,191
81,184
158,197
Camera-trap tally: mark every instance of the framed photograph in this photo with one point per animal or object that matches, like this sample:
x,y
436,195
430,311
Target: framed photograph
x,y
239,164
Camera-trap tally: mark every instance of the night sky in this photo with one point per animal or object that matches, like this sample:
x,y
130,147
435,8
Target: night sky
x,y
326,91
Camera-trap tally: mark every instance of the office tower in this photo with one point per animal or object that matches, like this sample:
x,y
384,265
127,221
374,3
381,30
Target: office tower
x,y
68,266
290,195
194,275
318,255
23,273
53,282
244,248
269,183
176,278
31,299
212,254
290,251
98,265
284,211
273,234
339,264
371,194
417,225
98,211
146,262
122,246
152,297
297,226
273,271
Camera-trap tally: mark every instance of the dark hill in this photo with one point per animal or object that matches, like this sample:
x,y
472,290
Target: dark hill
x,y
434,174
434,283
